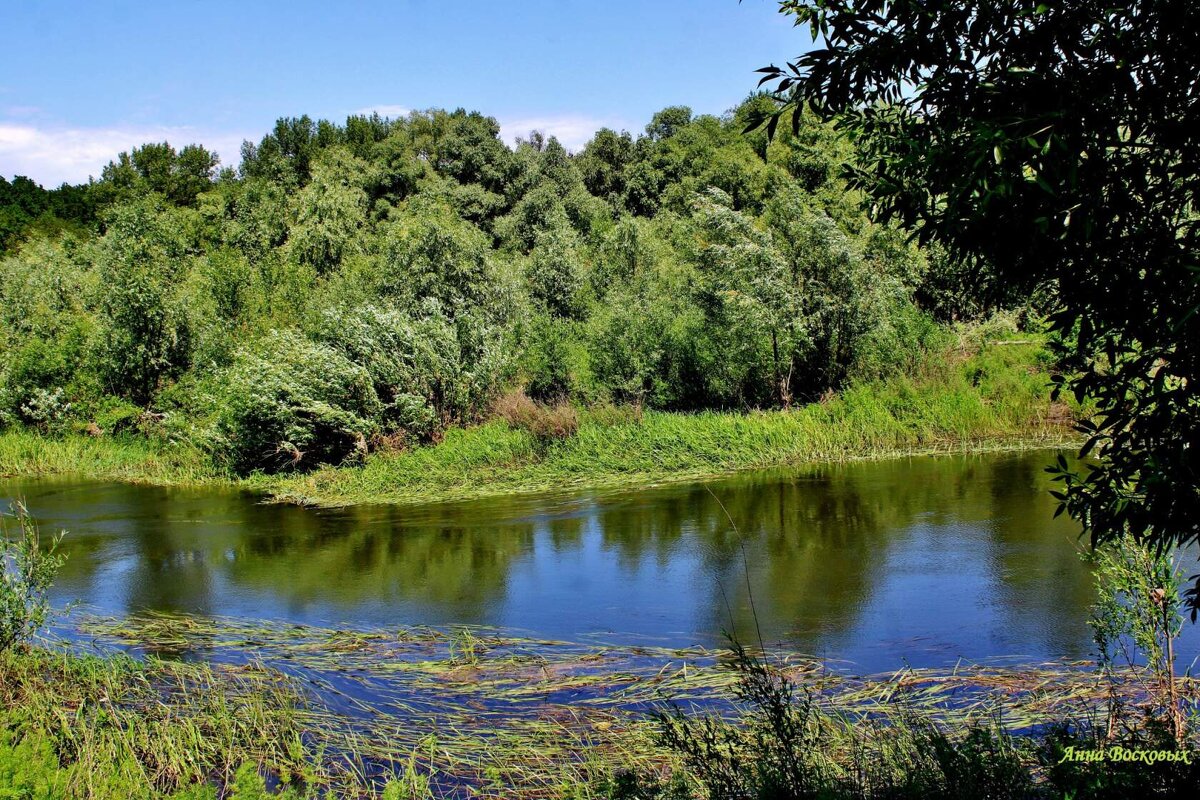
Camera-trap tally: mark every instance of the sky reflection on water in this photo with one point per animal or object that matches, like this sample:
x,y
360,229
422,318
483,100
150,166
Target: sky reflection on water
x,y
919,561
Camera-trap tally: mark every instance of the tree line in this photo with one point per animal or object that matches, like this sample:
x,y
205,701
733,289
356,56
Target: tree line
x,y
367,284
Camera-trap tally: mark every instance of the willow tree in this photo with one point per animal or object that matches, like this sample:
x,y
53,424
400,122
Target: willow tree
x,y
1059,144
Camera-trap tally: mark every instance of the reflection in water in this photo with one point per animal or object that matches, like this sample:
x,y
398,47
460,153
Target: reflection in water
x,y
921,560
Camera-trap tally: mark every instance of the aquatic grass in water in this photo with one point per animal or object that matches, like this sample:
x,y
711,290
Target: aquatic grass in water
x,y
492,713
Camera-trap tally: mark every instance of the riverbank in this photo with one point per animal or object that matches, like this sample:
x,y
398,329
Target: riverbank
x,y
974,397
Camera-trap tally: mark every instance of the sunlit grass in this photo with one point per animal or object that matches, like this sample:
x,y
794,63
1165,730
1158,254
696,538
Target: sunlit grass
x,y
124,458
994,397
91,727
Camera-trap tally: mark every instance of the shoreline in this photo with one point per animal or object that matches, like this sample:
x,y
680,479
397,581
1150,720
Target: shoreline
x,y
992,399
277,489
648,480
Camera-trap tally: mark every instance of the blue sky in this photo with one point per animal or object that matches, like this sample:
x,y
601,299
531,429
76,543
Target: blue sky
x,y
80,81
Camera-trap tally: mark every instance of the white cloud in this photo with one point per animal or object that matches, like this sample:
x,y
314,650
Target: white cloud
x,y
52,155
388,111
573,131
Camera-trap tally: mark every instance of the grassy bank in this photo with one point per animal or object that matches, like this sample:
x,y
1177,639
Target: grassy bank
x,y
90,727
26,453
978,394
972,397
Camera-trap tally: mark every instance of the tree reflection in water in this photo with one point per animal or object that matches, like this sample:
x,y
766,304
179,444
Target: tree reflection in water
x,y
923,559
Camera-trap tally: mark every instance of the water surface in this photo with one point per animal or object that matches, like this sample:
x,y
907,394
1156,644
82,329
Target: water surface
x,y
920,561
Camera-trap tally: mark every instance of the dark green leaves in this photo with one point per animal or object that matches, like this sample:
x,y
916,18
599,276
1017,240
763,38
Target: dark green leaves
x,y
1059,143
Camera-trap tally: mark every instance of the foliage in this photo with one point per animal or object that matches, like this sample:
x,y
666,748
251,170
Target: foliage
x,y
330,210
177,177
29,212
979,390
293,403
143,337
1136,622
1056,144
425,369
29,567
369,285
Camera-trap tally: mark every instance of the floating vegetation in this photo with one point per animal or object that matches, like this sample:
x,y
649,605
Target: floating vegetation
x,y
476,711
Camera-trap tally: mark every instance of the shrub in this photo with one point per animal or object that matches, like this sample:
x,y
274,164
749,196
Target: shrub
x,y
292,403
554,362
426,368
29,569
113,415
1136,621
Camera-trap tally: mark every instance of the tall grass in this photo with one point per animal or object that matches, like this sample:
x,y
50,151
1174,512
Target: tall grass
x,y
101,728
525,720
969,397
119,458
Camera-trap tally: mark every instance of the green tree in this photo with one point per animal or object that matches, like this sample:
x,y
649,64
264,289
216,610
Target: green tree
x,y
330,211
668,122
1058,143
143,337
751,302
179,177
428,252
603,162
555,274
44,326
285,155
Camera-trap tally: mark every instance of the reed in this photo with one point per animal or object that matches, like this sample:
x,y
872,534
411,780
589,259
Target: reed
x,y
117,727
129,458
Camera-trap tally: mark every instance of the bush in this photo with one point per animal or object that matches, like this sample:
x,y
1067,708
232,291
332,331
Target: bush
x,y
554,362
427,369
28,571
113,415
294,404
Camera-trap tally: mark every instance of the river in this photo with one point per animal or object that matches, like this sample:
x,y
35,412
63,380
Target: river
x,y
919,561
